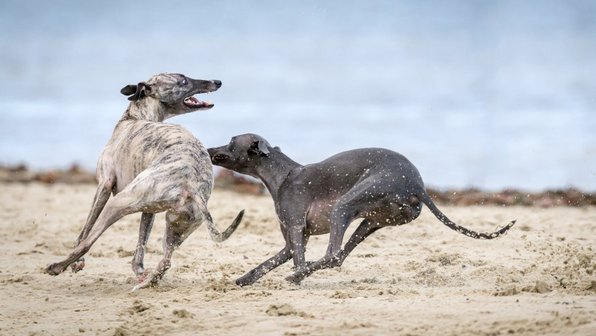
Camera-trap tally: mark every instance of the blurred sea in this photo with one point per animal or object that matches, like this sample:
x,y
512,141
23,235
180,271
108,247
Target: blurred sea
x,y
489,94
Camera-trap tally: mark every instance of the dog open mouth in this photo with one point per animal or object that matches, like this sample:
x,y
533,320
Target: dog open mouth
x,y
193,102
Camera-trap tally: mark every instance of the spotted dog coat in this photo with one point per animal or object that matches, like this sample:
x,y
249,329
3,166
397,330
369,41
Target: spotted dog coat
x,y
149,167
380,186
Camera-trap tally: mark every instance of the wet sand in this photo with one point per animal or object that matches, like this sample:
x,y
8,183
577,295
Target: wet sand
x,y
418,279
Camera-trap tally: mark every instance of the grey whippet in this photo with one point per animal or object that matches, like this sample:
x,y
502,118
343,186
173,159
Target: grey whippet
x,y
149,167
376,184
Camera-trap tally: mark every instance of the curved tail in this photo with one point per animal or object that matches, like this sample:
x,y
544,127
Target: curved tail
x,y
221,236
425,198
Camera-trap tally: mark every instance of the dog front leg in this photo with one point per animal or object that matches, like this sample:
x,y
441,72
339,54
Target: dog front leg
x,y
102,195
365,229
341,216
258,272
297,240
117,207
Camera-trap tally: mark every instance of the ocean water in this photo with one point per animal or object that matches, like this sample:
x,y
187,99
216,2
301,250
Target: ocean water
x,y
488,94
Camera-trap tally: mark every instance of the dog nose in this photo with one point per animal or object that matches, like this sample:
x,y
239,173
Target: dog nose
x,y
217,82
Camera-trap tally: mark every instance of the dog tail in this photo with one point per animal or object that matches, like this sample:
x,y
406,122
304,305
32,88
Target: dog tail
x,y
218,236
425,198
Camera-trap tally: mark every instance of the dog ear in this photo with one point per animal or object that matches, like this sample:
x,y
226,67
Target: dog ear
x,y
137,91
128,90
259,147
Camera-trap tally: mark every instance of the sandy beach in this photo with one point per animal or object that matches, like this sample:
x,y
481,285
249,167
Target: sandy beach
x,y
418,279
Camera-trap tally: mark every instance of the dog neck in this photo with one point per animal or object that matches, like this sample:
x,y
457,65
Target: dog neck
x,y
275,170
147,109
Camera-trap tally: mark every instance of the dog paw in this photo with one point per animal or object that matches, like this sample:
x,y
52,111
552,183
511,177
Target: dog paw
x,y
147,281
139,271
54,269
294,278
244,281
77,265
142,276
137,287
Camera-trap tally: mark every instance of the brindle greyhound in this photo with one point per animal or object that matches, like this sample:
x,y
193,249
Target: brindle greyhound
x,y
378,185
150,166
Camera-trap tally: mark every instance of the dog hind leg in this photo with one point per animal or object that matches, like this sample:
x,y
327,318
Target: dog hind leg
x,y
365,229
258,272
179,225
144,231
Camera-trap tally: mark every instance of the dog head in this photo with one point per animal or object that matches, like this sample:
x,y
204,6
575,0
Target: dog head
x,y
243,154
174,92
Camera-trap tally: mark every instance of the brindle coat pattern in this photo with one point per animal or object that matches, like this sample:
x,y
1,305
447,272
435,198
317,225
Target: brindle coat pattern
x,y
149,167
380,186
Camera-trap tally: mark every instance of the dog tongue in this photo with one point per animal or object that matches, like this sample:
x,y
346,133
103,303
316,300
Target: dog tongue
x,y
193,100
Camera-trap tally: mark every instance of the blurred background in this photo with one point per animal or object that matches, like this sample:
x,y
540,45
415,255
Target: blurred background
x,y
487,94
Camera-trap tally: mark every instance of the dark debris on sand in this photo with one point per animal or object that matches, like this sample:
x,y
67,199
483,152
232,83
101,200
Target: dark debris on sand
x,y
22,174
228,180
